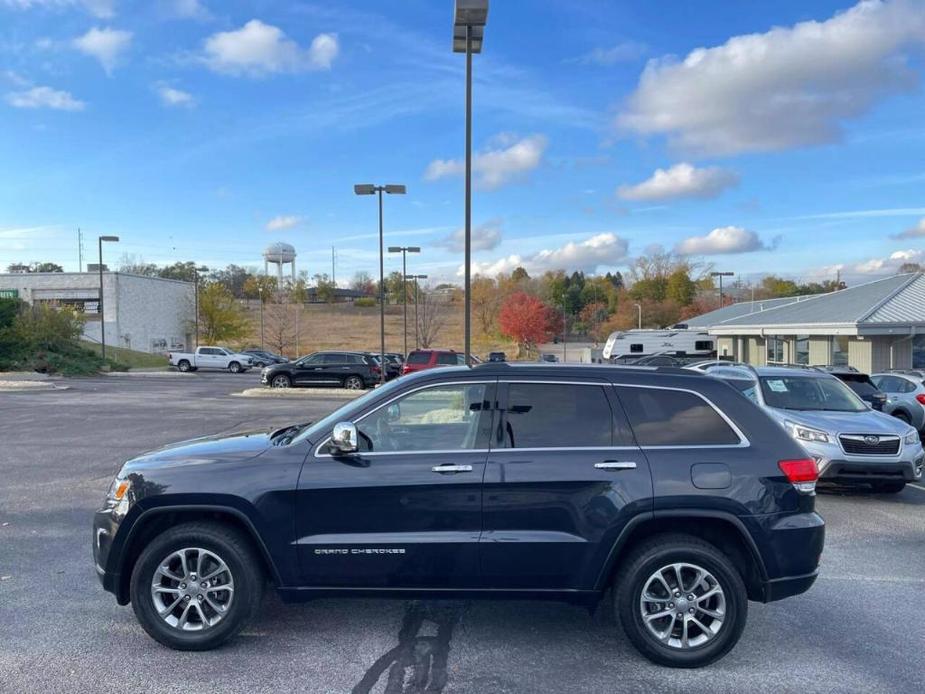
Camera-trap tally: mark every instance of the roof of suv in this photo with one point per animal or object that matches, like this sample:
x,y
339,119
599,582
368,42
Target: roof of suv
x,y
564,368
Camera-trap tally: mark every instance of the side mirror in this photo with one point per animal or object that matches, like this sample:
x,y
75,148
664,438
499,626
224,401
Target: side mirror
x,y
344,437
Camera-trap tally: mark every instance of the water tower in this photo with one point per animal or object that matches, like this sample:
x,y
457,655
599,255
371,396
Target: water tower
x,y
279,254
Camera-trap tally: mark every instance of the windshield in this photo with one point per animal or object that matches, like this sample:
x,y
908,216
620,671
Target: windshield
x,y
346,412
810,393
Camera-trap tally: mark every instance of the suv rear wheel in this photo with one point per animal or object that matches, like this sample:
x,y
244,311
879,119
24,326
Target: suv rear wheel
x,y
196,585
681,601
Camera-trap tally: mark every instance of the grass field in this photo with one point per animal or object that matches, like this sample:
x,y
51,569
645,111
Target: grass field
x,y
344,326
131,358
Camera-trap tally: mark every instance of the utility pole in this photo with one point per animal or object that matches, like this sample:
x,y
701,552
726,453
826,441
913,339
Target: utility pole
x,y
102,315
404,250
80,250
721,275
333,276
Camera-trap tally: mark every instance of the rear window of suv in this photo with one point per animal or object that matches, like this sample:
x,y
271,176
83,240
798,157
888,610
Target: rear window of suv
x,y
418,358
674,418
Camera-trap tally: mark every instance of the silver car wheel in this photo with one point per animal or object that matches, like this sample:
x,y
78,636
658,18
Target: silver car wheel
x,y
353,383
683,605
280,382
192,589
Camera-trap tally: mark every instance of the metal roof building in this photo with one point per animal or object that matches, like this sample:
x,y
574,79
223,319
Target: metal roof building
x,y
872,326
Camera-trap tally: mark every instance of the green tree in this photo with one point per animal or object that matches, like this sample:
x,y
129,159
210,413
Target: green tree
x,y
47,267
299,292
260,287
185,272
680,288
134,265
519,274
220,316
324,289
233,277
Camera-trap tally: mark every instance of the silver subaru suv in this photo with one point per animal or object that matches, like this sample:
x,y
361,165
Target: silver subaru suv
x,y
849,441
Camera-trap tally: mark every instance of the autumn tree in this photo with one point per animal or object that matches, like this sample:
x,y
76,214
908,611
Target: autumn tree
x,y
325,289
526,320
220,316
680,288
485,302
363,283
260,287
279,324
432,313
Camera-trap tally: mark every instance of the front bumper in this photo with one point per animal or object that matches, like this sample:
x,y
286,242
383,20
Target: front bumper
x,y
105,528
836,465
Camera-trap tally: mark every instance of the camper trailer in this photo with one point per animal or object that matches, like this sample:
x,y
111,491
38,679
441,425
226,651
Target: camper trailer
x,y
632,344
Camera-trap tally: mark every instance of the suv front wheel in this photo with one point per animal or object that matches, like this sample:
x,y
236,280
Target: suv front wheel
x,y
196,585
681,601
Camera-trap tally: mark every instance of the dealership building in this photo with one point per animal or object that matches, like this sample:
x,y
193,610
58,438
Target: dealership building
x,y
147,314
873,326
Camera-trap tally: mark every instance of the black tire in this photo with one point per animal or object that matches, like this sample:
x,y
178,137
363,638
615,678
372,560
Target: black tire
x,y
888,487
281,381
353,383
661,551
902,417
183,365
234,548
234,367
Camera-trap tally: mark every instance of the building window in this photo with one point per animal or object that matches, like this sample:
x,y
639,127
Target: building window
x,y
840,350
801,353
775,350
918,352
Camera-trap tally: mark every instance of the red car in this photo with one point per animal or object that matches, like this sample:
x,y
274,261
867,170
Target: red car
x,y
421,359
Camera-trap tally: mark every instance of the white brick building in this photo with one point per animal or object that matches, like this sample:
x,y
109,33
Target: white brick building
x,y
147,314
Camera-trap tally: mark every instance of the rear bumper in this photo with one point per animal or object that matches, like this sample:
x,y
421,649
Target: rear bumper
x,y
780,588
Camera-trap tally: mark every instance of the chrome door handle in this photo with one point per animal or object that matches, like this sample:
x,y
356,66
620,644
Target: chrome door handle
x,y
451,468
615,465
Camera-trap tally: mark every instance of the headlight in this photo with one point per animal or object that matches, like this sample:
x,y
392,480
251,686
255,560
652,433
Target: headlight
x,y
804,433
119,497
911,438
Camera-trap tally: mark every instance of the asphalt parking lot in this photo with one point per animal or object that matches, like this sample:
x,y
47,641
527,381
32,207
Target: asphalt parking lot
x,y
860,629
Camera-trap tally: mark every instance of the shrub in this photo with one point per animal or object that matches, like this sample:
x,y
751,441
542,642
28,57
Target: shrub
x,y
365,302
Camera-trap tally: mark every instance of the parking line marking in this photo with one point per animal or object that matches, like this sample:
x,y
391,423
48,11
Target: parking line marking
x,y
916,486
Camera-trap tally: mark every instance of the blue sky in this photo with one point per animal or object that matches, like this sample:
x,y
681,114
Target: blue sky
x,y
777,137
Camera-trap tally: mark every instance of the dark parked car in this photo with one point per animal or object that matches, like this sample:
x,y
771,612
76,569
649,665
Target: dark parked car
x,y
353,370
393,363
530,481
421,359
261,357
497,356
860,383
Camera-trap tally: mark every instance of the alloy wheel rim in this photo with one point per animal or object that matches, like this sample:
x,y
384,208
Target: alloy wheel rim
x,y
353,383
280,382
683,606
192,589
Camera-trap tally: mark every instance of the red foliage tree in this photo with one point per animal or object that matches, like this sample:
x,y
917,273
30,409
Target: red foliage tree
x,y
526,320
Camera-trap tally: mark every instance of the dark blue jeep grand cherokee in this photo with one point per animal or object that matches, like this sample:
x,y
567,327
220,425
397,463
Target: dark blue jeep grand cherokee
x,y
541,481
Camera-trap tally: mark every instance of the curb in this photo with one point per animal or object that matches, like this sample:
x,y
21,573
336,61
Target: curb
x,y
299,393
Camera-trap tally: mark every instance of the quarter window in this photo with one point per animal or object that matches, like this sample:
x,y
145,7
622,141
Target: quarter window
x,y
418,357
674,418
442,418
446,358
551,415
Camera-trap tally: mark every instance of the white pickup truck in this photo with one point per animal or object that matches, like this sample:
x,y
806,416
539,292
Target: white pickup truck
x,y
211,358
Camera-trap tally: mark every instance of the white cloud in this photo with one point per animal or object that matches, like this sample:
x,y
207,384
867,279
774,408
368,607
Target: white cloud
x,y
914,232
188,9
501,163
722,240
485,237
44,97
171,96
789,87
681,181
282,222
888,265
257,49
626,51
605,249
104,9
106,45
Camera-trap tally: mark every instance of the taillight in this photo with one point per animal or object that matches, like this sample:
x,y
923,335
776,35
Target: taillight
x,y
921,398
802,473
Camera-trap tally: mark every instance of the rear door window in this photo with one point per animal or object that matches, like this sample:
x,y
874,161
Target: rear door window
x,y
446,359
553,415
661,417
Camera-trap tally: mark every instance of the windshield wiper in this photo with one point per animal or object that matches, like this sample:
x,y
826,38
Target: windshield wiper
x,y
288,433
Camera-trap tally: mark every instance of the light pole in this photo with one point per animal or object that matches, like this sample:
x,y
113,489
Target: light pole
x,y
260,294
721,275
113,239
469,21
370,189
404,250
639,309
415,278
196,272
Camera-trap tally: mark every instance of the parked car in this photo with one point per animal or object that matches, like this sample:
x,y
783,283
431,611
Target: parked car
x,y
263,358
439,484
905,395
351,370
211,358
393,363
850,442
497,356
422,359
548,358
860,383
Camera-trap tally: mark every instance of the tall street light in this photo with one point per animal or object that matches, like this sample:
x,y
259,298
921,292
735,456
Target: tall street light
x,y
639,309
112,239
469,21
404,250
721,275
370,189
196,272
415,278
260,294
